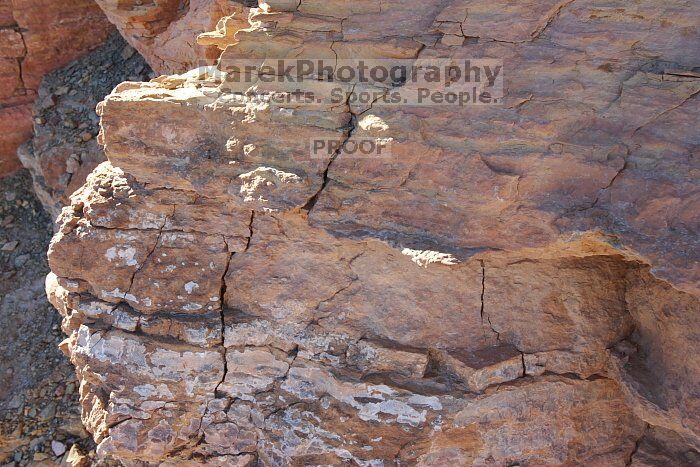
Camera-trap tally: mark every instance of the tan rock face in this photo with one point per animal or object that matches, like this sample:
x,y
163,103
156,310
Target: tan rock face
x,y
515,285
36,37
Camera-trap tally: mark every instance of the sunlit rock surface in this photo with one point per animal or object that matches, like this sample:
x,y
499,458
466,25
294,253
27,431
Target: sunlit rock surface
x,y
165,31
516,285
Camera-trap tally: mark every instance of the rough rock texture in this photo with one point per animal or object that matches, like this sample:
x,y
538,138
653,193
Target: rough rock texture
x,y
165,31
516,285
36,37
63,150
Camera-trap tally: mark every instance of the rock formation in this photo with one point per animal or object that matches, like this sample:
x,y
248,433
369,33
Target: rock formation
x,y
516,285
36,37
165,31
64,150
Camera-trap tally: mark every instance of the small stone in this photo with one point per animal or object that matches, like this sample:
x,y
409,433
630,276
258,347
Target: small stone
x,y
75,458
39,121
35,443
64,179
16,402
47,103
10,196
40,456
73,427
86,136
21,260
48,412
10,246
58,448
72,163
128,52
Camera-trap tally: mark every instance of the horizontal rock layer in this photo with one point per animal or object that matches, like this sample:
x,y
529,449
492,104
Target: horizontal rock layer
x,y
516,284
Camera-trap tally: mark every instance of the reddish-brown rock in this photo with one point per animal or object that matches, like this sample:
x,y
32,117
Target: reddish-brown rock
x,y
165,31
38,36
514,284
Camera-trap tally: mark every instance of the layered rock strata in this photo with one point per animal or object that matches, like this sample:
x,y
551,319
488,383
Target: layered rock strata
x,y
516,285
36,37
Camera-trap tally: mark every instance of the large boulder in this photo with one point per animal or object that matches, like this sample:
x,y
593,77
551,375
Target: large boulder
x,y
512,284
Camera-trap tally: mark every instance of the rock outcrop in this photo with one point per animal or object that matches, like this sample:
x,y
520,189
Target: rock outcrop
x,y
165,31
515,284
36,37
64,150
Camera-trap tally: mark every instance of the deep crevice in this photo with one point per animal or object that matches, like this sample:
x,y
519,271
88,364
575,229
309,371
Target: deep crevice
x,y
147,258
250,237
222,294
483,288
312,201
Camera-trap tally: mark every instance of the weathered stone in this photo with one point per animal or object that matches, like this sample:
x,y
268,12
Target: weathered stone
x,y
165,32
515,285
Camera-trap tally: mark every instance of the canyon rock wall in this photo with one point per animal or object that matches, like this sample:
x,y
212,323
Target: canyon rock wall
x,y
36,37
516,284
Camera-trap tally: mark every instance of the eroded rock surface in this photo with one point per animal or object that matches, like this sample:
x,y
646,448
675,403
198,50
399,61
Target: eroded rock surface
x,y
165,31
36,37
516,285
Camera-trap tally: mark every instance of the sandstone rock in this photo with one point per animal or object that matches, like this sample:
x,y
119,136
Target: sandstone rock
x,y
17,122
36,37
165,32
515,285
